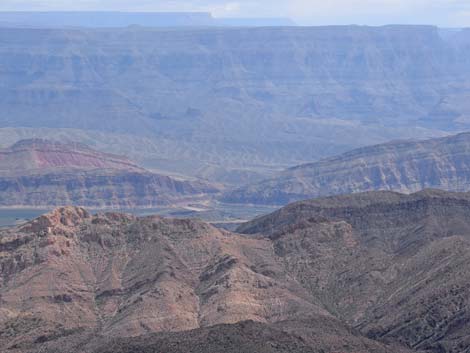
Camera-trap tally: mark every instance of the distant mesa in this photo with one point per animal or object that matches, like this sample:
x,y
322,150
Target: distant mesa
x,y
116,19
39,173
104,19
256,22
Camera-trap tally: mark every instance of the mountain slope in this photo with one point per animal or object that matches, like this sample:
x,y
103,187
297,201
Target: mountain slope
x,y
45,173
70,279
407,167
393,266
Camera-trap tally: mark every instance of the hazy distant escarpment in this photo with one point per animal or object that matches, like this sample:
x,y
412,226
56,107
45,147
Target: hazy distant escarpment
x,y
246,98
406,166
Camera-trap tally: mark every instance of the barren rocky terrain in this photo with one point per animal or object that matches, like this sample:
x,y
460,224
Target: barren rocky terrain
x,y
202,117
371,272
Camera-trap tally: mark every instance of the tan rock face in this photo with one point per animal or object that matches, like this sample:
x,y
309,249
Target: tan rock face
x,y
59,220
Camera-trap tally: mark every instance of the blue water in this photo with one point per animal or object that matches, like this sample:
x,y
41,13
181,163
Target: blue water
x,y
10,217
220,213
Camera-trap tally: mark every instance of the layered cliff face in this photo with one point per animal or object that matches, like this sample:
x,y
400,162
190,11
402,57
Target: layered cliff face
x,y
241,98
316,276
406,167
46,173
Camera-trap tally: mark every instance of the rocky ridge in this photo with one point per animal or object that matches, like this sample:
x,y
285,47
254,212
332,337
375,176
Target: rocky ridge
x,y
41,156
393,266
42,173
68,274
403,166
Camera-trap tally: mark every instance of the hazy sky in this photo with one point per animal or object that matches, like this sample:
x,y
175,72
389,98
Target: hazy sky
x,y
453,13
